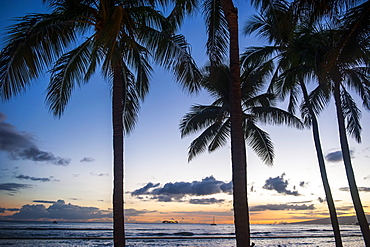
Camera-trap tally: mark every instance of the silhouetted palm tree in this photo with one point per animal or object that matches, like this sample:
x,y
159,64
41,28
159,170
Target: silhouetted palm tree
x,y
213,121
279,25
223,36
335,54
120,38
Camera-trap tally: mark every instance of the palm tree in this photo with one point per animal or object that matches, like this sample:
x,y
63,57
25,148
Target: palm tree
x,y
120,37
223,35
323,53
214,119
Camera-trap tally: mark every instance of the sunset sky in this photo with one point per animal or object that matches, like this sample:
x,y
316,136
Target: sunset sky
x,y
61,169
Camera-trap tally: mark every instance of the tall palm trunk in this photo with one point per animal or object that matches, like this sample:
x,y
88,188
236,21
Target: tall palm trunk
x,y
118,108
238,153
324,176
361,217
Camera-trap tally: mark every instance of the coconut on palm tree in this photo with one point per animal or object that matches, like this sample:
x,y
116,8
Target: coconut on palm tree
x,y
76,39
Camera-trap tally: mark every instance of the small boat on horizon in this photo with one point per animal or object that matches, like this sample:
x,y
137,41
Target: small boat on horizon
x,y
170,222
213,223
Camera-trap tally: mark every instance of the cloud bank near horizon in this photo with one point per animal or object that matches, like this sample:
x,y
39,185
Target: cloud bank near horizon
x,y
179,190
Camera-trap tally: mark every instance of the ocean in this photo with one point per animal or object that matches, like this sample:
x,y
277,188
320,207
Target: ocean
x,y
42,234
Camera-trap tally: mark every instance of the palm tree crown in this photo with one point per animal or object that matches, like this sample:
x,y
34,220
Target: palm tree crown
x,y
119,37
215,118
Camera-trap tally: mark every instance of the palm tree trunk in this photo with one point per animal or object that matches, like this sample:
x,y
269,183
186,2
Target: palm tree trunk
x,y
361,217
118,207
238,153
324,176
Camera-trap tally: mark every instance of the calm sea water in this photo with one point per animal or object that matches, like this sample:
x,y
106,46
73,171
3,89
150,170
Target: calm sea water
x,y
42,234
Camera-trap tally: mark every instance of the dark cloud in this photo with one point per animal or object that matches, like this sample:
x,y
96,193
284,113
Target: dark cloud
x,y
321,200
178,190
133,212
42,201
364,189
206,201
303,184
87,159
21,146
10,139
280,185
33,178
13,187
99,174
144,190
275,207
35,154
2,210
60,210
335,156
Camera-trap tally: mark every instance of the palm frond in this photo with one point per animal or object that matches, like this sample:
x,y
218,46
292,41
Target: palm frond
x,y
198,118
352,115
200,144
173,52
358,78
260,142
31,45
68,71
217,30
273,116
221,137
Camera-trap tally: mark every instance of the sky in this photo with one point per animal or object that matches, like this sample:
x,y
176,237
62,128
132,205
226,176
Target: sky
x,y
61,168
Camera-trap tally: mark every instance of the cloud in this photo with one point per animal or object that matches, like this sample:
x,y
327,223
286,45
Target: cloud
x,y
13,187
364,189
2,210
33,178
367,177
87,159
42,201
275,207
321,200
60,210
178,190
35,154
335,156
99,174
144,190
21,145
129,212
279,184
206,201
303,184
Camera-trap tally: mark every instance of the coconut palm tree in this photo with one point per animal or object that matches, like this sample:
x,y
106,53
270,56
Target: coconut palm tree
x,y
223,36
322,54
77,38
279,25
213,121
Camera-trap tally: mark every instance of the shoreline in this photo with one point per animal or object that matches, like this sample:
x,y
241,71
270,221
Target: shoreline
x,y
172,237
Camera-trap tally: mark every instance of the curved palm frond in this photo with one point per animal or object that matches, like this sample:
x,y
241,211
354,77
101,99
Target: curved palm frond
x,y
31,45
260,142
217,30
273,115
222,136
68,71
352,115
198,118
200,144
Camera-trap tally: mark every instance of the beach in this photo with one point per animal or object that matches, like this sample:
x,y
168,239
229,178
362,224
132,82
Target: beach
x,y
100,234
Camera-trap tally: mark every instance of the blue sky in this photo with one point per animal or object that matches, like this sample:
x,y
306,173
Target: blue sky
x,y
73,168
